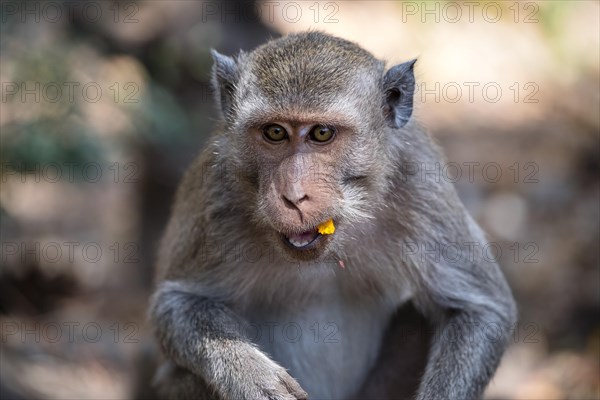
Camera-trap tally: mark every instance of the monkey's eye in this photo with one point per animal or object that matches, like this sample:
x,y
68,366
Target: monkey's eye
x,y
321,133
275,133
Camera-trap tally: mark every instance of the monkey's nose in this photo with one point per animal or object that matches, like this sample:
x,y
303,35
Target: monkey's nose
x,y
293,194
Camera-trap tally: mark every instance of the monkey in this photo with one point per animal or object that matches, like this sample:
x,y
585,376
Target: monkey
x,y
252,302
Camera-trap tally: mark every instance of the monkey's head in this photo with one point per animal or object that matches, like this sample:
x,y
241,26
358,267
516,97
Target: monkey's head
x,y
308,120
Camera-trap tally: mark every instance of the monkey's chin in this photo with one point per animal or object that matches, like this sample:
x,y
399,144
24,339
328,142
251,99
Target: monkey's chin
x,y
307,246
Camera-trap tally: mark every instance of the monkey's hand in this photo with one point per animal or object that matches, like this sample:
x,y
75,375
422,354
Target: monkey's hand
x,y
203,336
250,374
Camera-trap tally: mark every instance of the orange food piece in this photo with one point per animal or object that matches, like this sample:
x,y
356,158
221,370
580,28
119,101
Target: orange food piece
x,y
326,228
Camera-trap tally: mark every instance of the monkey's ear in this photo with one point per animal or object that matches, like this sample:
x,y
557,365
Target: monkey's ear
x,y
224,77
399,89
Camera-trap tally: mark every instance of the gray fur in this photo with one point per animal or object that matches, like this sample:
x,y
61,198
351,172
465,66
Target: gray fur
x,y
211,290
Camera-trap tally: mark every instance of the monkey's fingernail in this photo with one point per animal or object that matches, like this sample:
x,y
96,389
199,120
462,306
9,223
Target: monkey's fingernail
x,y
342,264
326,228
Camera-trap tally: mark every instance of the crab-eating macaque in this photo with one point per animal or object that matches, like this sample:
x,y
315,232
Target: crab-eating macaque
x,y
254,300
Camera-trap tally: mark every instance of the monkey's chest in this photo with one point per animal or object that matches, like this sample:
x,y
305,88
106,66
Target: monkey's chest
x,y
329,346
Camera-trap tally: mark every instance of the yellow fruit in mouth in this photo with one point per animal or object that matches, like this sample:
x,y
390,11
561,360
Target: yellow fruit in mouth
x,y
326,228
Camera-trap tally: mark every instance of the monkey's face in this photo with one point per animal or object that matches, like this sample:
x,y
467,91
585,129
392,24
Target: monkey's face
x,y
306,171
307,119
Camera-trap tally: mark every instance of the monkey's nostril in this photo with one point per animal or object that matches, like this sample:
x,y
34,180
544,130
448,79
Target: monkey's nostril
x,y
303,199
288,202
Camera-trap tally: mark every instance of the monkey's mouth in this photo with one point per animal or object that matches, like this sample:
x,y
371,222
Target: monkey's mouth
x,y
309,245
301,241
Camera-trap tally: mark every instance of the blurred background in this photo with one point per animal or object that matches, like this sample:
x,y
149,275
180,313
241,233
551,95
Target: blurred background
x,y
105,103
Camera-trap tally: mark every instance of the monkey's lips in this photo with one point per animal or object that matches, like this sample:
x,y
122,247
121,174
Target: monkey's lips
x,y
302,240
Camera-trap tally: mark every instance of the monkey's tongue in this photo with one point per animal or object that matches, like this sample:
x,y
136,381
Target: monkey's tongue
x,y
302,239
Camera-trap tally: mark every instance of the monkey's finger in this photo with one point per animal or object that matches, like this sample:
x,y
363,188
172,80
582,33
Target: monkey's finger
x,y
280,392
293,387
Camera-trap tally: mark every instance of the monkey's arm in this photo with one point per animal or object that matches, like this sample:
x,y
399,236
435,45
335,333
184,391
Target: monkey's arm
x,y
458,287
476,313
460,366
204,337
